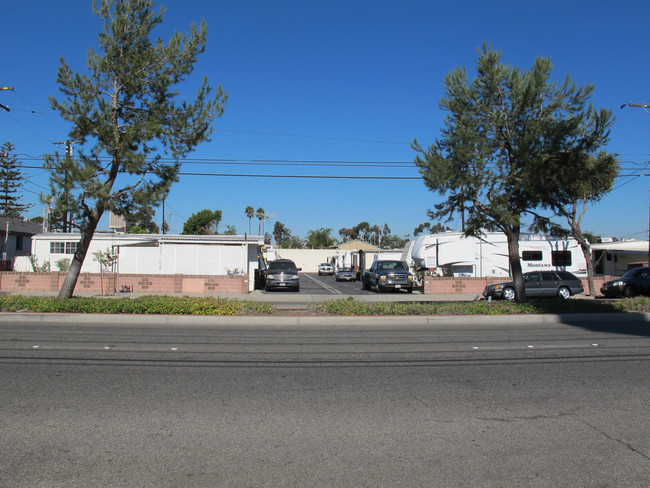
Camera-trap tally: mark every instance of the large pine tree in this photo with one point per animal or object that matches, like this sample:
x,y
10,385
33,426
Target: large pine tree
x,y
11,181
508,134
126,115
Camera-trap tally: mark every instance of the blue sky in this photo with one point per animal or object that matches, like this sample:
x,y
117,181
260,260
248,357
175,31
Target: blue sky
x,y
342,81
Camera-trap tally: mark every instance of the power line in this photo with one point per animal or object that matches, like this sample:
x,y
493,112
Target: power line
x,y
306,176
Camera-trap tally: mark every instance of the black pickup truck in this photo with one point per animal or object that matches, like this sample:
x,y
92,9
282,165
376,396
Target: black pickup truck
x,y
384,275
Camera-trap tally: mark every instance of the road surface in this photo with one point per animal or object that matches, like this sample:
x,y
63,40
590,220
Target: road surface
x,y
384,403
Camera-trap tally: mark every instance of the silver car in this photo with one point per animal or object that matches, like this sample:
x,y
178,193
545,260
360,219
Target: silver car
x,y
346,274
325,269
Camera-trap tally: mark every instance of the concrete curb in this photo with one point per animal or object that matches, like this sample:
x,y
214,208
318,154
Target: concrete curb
x,y
315,321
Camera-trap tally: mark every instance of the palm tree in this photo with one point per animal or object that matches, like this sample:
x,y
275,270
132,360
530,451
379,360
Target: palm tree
x,y
260,215
250,212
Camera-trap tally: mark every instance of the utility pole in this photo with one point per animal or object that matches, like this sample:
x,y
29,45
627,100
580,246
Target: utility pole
x,y
67,225
643,105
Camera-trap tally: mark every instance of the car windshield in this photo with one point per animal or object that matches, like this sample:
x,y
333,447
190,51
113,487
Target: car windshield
x,y
282,265
634,273
388,265
342,270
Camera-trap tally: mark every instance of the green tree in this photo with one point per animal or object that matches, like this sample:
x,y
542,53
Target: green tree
x,y
292,242
320,239
430,229
393,242
280,232
11,181
260,215
231,230
503,130
123,111
202,223
250,213
582,181
140,220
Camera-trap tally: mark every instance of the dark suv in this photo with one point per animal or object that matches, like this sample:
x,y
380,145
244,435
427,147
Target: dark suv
x,y
635,282
385,275
282,273
539,284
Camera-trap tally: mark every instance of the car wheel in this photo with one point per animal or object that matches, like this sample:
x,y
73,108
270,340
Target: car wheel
x,y
379,288
629,292
409,290
365,285
564,292
509,294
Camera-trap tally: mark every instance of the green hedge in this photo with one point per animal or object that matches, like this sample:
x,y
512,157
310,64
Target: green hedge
x,y
168,305
162,305
350,306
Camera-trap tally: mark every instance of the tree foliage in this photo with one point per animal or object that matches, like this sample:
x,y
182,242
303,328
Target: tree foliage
x,y
261,215
577,186
203,222
126,114
320,239
140,220
436,228
250,213
505,131
11,181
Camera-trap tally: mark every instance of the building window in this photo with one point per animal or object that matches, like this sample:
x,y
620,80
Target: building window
x,y
531,255
561,258
19,243
63,247
57,247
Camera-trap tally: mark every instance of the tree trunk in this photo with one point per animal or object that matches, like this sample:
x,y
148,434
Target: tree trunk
x,y
515,263
584,245
68,286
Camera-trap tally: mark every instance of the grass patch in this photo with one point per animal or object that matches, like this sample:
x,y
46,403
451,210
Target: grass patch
x,y
146,305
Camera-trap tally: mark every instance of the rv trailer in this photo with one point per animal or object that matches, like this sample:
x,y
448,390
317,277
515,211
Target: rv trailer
x,y
454,254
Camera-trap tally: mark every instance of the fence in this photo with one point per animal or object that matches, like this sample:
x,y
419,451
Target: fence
x,y
96,283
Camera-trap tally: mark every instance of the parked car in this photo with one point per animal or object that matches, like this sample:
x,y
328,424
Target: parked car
x,y
539,284
325,269
387,275
635,282
346,274
282,273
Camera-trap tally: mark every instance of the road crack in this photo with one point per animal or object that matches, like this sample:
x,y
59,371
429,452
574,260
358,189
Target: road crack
x,y
619,441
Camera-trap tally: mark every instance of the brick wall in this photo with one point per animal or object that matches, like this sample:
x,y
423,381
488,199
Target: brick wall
x,y
434,285
95,283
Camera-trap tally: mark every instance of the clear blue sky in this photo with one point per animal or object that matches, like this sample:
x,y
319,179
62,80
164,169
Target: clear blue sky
x,y
346,81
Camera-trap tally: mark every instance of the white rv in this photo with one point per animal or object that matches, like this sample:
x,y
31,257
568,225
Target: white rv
x,y
453,254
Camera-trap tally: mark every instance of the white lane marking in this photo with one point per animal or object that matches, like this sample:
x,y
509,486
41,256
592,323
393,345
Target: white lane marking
x,y
329,288
530,346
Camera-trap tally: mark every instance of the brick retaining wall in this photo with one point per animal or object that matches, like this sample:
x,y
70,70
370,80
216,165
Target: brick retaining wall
x,y
95,283
434,285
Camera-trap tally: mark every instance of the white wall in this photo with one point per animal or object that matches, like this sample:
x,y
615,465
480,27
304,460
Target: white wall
x,y
307,259
147,254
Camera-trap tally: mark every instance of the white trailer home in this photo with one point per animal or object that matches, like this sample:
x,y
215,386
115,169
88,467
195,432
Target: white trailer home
x,y
155,253
453,254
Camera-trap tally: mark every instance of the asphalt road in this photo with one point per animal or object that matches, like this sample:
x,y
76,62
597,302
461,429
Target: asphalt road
x,y
389,402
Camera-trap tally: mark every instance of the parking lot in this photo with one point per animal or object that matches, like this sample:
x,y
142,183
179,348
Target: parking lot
x,y
313,284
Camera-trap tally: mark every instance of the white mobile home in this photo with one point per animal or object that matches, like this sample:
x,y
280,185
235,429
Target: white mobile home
x,y
453,254
218,255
